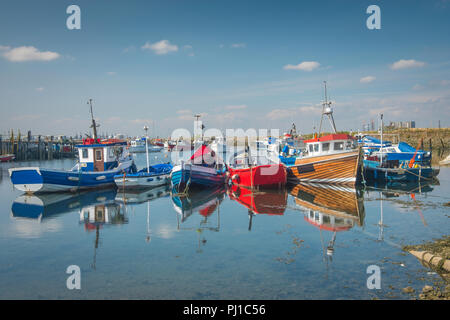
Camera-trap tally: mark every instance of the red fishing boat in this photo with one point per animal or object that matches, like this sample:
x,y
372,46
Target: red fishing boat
x,y
245,173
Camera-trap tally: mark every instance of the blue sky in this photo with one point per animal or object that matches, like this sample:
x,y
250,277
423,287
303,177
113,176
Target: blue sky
x,y
227,60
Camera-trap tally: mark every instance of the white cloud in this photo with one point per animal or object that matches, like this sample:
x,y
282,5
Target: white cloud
x,y
187,47
304,66
367,79
111,73
40,89
22,54
238,45
403,64
161,47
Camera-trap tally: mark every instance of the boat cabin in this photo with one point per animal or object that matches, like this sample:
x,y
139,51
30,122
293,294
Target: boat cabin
x,y
95,155
332,143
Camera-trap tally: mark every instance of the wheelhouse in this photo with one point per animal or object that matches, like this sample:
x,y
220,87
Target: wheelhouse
x,y
95,155
333,143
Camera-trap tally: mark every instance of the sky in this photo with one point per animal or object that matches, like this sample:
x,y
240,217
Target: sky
x,y
239,64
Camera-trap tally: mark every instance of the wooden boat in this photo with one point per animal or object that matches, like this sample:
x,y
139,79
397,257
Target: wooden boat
x,y
329,159
245,172
334,158
7,157
204,169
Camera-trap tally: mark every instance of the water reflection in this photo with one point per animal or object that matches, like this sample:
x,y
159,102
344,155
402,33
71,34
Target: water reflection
x,y
204,202
44,206
329,208
270,202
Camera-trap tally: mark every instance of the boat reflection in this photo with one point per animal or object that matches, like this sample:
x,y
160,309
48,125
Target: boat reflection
x,y
140,196
330,208
136,197
42,206
270,202
205,203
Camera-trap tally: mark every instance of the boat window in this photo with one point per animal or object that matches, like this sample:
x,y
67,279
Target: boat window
x,y
98,155
316,147
338,146
326,146
310,148
85,153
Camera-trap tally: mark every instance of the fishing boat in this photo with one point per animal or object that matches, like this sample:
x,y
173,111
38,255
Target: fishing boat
x,y
445,162
98,163
333,158
401,152
379,167
204,169
150,176
244,170
7,157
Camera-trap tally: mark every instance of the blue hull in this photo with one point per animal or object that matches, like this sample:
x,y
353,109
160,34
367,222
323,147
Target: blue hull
x,y
33,180
195,176
375,173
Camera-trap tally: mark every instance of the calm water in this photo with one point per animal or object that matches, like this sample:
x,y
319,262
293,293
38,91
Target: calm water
x,y
218,244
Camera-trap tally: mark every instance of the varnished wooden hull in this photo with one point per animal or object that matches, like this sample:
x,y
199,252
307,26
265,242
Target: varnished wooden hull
x,y
341,168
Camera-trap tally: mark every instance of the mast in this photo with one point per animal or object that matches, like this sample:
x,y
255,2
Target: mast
x,y
381,142
146,148
94,126
326,110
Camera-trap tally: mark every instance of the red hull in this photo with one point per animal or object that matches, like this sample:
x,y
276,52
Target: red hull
x,y
270,175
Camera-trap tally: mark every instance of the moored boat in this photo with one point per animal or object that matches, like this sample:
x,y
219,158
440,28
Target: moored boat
x,y
98,163
7,157
153,176
245,172
333,158
203,169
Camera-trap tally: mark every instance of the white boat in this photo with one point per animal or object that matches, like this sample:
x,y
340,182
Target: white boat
x,y
445,162
153,176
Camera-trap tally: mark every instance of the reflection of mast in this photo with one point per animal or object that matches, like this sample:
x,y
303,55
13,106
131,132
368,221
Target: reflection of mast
x,y
380,224
147,239
97,240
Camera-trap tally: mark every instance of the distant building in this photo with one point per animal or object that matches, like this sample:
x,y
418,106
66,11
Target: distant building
x,y
401,124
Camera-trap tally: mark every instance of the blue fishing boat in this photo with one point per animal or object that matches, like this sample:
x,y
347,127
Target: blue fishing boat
x,y
401,167
204,169
98,163
401,152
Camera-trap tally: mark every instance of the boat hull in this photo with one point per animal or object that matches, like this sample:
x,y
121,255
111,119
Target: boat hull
x,y
34,179
196,176
263,176
338,168
375,173
7,157
141,180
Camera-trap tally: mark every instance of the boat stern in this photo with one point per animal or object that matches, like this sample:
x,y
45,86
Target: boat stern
x,y
28,179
